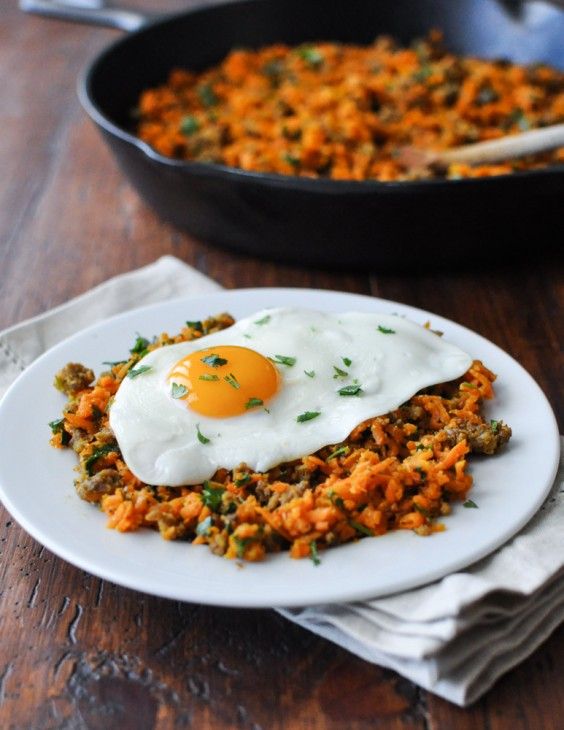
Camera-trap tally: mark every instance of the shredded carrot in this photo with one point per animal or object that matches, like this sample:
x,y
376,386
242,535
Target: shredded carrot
x,y
342,111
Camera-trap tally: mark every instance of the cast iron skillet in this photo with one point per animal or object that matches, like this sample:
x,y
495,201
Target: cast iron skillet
x,y
324,222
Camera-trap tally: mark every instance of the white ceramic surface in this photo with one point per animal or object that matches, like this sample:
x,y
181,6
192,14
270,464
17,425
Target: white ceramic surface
x,y
36,481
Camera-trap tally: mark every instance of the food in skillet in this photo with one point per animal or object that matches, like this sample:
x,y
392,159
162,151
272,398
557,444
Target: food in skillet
x,y
290,429
344,112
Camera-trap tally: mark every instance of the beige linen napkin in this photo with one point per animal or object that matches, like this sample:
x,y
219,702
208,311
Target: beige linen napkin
x,y
454,637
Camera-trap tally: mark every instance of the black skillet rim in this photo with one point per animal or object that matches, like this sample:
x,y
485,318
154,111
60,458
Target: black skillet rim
x,y
312,185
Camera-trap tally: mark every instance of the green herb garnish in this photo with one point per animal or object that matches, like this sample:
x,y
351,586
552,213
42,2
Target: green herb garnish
x,y
214,361
208,377
113,363
207,95
313,554
232,380
189,125
386,330
308,416
423,73
178,390
197,325
242,543
341,451
57,426
242,480
470,504
291,159
350,390
201,438
468,385
212,495
139,371
253,403
96,454
421,510
311,56
283,360
495,426
263,320
422,473
347,361
310,373
339,373
361,528
140,346
203,527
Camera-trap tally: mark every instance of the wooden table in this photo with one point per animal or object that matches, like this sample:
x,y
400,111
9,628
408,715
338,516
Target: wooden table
x,y
77,652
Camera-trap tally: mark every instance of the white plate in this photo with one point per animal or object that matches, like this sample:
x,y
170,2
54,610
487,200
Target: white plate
x,y
36,481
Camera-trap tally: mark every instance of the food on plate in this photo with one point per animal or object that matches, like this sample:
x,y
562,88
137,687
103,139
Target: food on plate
x,y
343,112
290,429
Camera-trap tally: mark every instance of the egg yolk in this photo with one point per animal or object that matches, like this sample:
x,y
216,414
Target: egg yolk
x,y
224,381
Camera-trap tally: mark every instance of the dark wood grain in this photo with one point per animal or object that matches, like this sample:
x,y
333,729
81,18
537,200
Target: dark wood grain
x,y
77,652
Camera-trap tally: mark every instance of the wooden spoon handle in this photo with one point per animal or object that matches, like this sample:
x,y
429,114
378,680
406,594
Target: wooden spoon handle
x,y
506,148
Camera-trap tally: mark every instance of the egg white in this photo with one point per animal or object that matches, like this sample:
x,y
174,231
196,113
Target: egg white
x,y
158,435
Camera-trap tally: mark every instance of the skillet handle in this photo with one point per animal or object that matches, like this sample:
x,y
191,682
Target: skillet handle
x,y
94,12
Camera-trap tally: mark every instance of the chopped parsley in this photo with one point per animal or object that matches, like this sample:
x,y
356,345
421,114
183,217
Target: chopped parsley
x,y
263,320
97,454
341,451
470,504
337,501
421,447
339,373
242,480
140,346
197,325
291,159
212,495
207,95
350,390
347,361
421,510
518,117
310,373
178,390
113,363
209,377
253,403
242,543
201,438
311,56
189,125
468,385
308,416
232,380
283,360
214,361
139,371
203,527
361,528
495,426
386,330
57,426
313,554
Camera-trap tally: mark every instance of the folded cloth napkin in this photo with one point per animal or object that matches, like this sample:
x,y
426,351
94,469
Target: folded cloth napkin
x,y
454,637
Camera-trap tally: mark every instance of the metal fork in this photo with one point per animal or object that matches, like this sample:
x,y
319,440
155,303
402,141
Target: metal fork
x,y
98,12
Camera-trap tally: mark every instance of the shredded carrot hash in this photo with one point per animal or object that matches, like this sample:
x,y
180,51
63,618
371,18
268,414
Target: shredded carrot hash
x,y
398,471
343,111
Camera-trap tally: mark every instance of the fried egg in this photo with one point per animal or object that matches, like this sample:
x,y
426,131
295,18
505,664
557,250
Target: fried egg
x,y
274,387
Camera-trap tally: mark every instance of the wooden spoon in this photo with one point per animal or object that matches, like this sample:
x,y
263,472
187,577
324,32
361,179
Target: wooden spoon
x,y
497,150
